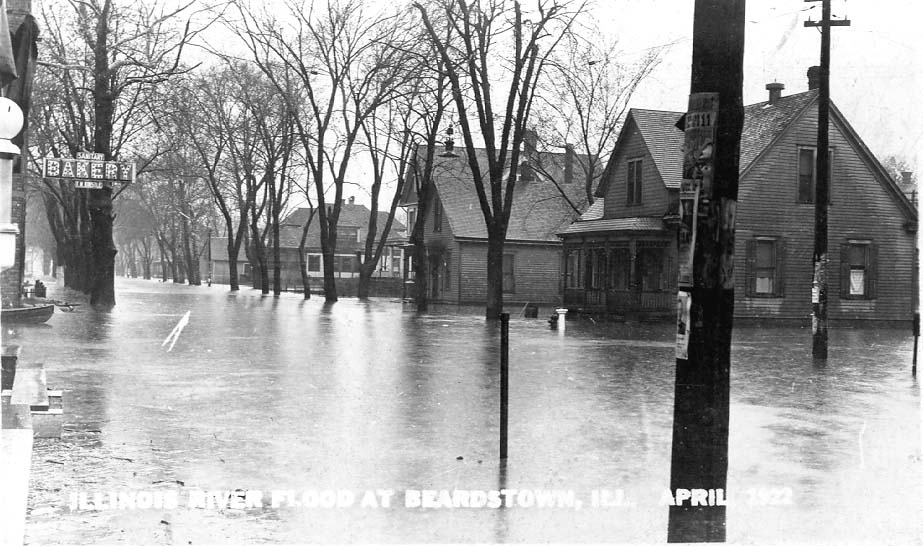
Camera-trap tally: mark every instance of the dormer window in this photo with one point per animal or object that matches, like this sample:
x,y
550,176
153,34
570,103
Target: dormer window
x,y
411,218
634,182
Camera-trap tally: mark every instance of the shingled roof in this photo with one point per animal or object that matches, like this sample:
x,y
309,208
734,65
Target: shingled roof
x,y
763,124
541,207
351,216
664,141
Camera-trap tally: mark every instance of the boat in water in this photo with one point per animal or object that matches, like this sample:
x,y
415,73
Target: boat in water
x,y
36,314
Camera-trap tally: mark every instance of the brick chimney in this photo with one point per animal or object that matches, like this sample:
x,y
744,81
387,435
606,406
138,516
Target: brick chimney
x,y
907,178
775,91
814,77
352,200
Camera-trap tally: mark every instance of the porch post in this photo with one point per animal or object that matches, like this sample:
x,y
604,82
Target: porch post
x,y
634,285
605,273
565,253
586,269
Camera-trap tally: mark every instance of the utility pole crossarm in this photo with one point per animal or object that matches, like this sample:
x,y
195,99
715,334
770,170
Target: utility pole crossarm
x,y
839,23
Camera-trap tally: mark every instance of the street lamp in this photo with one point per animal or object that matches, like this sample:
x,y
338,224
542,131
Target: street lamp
x,y
449,143
11,120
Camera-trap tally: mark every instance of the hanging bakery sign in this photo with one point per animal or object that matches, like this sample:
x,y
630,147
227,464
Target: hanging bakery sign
x,y
89,170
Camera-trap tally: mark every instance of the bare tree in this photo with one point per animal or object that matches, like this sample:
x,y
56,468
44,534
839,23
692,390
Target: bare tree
x,y
381,137
107,60
495,41
583,101
336,56
207,113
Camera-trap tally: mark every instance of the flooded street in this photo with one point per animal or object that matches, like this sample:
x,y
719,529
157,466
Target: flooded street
x,y
281,395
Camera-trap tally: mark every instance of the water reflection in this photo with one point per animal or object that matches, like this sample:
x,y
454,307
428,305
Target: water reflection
x,y
284,393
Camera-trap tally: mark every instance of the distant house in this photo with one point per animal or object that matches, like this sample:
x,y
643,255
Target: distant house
x,y
351,232
546,199
621,254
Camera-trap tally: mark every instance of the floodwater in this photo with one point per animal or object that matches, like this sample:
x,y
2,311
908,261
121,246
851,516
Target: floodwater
x,y
316,405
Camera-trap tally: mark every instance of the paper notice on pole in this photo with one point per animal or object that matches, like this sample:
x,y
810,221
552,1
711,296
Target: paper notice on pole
x,y
683,303
698,176
688,213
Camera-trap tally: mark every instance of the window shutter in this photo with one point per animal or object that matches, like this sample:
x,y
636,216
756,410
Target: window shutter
x,y
844,270
780,268
871,268
751,267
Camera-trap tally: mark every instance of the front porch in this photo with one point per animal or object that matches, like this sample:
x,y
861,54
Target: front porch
x,y
620,276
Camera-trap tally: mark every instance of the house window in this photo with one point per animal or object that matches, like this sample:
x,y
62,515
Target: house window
x,y
344,264
597,268
573,270
651,269
314,263
765,258
858,270
765,269
619,268
508,273
807,174
447,271
437,215
634,182
411,218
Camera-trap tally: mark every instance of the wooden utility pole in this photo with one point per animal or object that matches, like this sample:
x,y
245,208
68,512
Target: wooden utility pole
x,y
713,127
822,184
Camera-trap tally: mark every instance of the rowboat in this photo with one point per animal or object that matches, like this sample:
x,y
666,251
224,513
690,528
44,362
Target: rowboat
x,y
27,315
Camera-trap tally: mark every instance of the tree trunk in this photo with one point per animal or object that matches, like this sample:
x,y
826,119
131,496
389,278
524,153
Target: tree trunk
x,y
330,287
102,277
302,261
258,260
328,249
494,275
102,286
233,251
365,281
132,265
163,259
188,255
276,255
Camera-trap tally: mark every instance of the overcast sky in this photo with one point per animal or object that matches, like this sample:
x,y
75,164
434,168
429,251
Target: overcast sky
x,y
875,62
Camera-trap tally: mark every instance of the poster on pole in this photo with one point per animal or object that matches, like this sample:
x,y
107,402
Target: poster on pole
x,y
698,174
683,302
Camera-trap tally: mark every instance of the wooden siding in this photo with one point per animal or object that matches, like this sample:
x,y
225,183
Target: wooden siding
x,y
536,273
861,208
443,242
654,195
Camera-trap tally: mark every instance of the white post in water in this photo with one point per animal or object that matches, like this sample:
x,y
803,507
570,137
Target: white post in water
x,y
561,312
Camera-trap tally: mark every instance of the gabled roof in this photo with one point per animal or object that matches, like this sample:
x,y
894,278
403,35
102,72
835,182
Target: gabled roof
x,y
763,124
664,142
351,216
541,207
